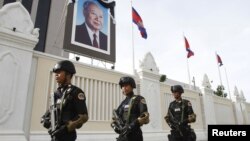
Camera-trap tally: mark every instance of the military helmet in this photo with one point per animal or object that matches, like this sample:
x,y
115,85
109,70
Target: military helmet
x,y
177,88
65,65
127,80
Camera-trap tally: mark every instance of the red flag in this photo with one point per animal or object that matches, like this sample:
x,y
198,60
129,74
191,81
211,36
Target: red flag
x,y
190,52
219,61
138,21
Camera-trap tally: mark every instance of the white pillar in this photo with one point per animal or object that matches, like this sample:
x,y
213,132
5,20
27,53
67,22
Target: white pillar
x,y
150,89
240,107
17,40
209,109
208,114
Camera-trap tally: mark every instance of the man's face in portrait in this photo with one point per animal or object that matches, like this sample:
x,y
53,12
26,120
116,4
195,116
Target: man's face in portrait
x,y
94,17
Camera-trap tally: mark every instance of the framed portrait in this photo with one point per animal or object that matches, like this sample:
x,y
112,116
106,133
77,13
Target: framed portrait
x,y
90,31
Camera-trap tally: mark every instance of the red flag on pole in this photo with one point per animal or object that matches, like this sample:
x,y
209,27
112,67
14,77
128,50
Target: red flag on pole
x,y
138,21
190,52
219,61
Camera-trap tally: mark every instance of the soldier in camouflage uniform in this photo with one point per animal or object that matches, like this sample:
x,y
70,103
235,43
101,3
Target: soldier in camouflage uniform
x,y
180,114
70,104
132,111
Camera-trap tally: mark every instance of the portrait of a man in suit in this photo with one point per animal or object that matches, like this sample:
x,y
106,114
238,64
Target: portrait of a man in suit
x,y
89,32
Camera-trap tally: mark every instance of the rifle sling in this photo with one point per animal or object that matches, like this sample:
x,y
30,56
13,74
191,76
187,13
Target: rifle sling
x,y
182,112
129,110
65,93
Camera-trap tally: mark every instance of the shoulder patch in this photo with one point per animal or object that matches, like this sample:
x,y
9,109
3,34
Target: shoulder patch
x,y
189,103
143,101
81,96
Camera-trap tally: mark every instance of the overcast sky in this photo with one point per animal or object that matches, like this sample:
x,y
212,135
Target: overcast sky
x,y
221,26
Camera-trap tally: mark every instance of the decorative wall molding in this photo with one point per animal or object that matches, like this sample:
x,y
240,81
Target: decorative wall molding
x,y
8,86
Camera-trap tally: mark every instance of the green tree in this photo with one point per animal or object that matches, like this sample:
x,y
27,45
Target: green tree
x,y
220,91
163,78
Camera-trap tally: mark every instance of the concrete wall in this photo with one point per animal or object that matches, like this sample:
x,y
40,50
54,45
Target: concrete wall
x,y
103,95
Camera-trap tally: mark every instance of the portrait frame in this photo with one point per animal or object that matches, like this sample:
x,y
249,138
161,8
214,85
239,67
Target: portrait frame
x,y
76,18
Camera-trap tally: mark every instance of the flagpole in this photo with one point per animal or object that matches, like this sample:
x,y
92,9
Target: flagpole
x,y
228,84
133,50
219,74
189,80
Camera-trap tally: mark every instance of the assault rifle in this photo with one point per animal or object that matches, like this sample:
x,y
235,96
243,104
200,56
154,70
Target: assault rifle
x,y
121,128
118,126
175,123
49,118
57,128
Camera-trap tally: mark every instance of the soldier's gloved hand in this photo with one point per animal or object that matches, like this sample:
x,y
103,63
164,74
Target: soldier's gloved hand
x,y
59,132
45,120
46,124
115,127
117,130
125,130
143,119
